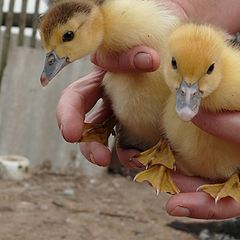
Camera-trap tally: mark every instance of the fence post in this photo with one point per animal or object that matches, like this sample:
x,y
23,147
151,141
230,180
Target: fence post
x,y
1,13
35,24
22,23
6,38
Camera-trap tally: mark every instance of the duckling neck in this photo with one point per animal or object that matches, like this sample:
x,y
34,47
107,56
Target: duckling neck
x,y
131,23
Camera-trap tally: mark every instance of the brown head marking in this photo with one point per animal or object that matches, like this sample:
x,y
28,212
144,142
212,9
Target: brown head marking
x,y
60,14
99,2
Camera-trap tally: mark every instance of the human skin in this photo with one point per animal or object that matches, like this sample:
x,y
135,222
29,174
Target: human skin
x,y
81,96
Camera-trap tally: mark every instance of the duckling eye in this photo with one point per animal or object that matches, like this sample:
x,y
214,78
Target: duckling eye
x,y
210,69
174,63
68,36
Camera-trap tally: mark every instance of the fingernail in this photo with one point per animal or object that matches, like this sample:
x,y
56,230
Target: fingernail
x,y
180,211
92,159
143,61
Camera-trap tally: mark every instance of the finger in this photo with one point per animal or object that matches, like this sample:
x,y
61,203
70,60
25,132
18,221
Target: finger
x,y
96,153
100,115
188,184
139,58
201,206
223,125
75,101
126,157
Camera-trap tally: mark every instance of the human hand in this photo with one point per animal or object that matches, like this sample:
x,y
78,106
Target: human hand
x,y
225,125
78,99
200,205
190,203
74,102
82,95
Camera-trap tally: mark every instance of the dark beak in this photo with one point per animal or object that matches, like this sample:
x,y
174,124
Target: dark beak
x,y
53,65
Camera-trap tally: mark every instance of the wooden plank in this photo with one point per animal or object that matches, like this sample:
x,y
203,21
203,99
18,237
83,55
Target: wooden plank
x,y
35,24
22,23
1,12
6,39
17,16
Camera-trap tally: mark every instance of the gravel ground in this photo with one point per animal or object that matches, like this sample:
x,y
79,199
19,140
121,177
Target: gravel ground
x,y
50,206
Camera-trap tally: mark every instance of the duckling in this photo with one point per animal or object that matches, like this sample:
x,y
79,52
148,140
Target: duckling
x,y
74,28
202,70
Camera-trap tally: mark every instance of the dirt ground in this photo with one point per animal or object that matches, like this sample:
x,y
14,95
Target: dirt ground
x,y
50,206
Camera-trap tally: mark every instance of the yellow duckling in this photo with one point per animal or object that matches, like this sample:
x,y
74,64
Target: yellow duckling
x,y
202,70
74,28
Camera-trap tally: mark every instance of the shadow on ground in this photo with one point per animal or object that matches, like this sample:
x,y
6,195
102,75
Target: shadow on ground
x,y
227,230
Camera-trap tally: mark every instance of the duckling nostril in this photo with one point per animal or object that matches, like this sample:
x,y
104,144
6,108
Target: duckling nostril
x,y
51,60
194,94
183,93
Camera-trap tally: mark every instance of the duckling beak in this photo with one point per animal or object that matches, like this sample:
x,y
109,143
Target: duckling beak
x,y
188,100
53,65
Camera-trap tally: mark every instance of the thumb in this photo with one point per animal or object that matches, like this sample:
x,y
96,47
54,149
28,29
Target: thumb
x,y
139,58
201,206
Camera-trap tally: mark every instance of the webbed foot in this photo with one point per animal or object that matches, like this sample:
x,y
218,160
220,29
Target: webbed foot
x,y
99,132
160,179
159,161
231,188
159,154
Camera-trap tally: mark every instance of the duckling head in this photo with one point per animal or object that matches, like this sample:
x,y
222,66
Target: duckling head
x,y
193,67
69,31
